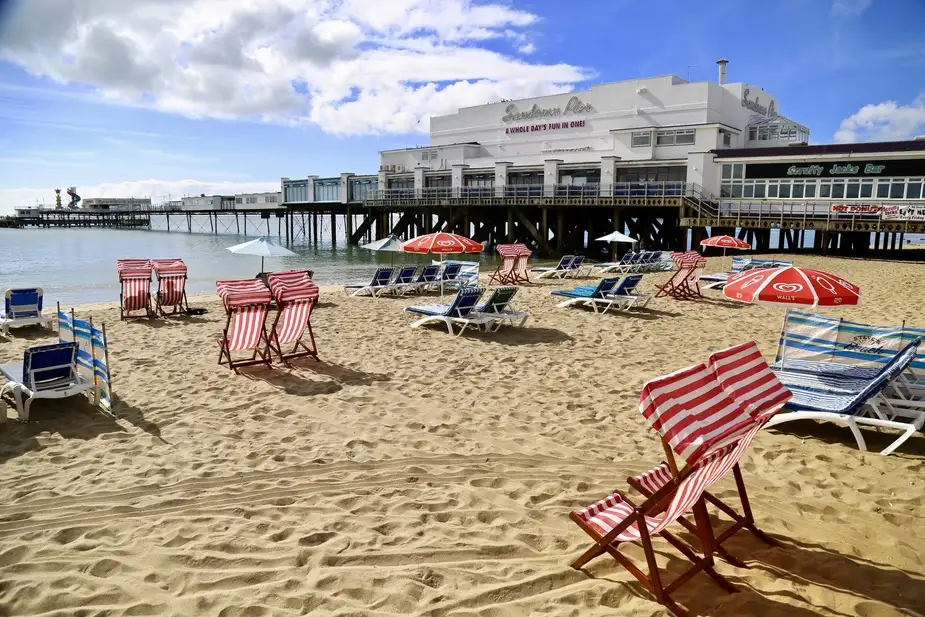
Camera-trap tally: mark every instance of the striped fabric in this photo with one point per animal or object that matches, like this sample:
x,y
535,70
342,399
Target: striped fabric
x,y
606,514
242,292
746,376
513,250
292,285
168,267
816,338
171,291
292,320
692,412
246,326
136,294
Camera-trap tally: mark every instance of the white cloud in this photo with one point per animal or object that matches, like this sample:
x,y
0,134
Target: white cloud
x,y
527,49
350,66
849,8
157,190
887,121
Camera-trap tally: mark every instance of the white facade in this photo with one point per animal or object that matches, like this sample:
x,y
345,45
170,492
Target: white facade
x,y
607,130
257,201
115,204
207,202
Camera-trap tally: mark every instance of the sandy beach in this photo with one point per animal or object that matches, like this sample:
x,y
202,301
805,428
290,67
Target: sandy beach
x,y
412,473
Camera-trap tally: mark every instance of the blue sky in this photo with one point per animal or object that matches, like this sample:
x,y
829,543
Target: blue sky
x,y
187,96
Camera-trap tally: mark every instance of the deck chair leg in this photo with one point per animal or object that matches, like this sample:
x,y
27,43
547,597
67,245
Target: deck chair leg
x,y
655,578
747,510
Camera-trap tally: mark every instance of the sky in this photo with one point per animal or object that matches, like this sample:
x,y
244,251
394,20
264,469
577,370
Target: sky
x,y
163,98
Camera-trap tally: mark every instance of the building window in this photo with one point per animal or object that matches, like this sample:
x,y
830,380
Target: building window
x,y
867,188
797,191
748,190
684,138
760,190
664,138
914,189
784,191
238,200
897,189
251,200
810,190
295,192
852,189
883,189
738,170
642,140
272,199
727,172
727,138
327,190
838,189
752,133
772,189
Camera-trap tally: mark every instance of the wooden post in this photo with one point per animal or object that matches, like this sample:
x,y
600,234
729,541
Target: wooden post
x,y
333,229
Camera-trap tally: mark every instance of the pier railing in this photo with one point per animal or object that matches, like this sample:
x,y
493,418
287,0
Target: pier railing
x,y
583,191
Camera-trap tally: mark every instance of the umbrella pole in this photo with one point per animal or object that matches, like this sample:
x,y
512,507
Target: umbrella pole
x,y
783,338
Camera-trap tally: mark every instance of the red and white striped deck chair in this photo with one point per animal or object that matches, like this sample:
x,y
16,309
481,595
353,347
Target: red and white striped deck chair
x,y
242,290
135,280
296,296
616,519
512,255
690,285
745,376
171,286
673,285
521,266
246,324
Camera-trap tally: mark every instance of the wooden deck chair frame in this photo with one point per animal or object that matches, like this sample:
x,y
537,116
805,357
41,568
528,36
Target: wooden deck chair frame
x,y
299,348
124,313
652,506
181,306
520,268
504,273
670,287
261,351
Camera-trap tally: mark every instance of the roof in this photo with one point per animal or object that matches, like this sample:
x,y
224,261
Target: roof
x,y
877,147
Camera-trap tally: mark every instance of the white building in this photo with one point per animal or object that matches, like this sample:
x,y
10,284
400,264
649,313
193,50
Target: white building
x,y
208,202
115,204
257,201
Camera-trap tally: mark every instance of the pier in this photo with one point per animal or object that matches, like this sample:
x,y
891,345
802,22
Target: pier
x,y
553,219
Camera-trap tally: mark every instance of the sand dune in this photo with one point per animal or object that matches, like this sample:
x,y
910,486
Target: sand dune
x,y
411,473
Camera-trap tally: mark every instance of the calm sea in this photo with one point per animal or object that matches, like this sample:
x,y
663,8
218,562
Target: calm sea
x,y
75,266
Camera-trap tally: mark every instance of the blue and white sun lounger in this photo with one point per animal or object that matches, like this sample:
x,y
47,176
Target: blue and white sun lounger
x,y
459,312
866,407
403,281
428,277
590,295
498,308
379,284
562,268
22,307
47,371
624,294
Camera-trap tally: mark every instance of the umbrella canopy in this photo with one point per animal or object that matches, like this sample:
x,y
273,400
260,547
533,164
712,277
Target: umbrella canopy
x,y
262,247
793,287
442,242
726,242
616,237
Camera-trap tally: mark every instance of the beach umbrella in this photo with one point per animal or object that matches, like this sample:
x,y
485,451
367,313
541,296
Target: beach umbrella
x,y
615,237
726,242
262,247
792,286
391,244
443,243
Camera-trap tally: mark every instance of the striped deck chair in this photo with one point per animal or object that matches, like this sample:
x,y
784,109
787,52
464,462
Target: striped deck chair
x,y
295,298
521,264
135,280
171,286
867,407
504,273
744,375
245,326
22,307
616,519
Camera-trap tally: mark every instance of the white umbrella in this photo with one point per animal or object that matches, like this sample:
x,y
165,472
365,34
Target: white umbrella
x,y
262,247
390,243
616,237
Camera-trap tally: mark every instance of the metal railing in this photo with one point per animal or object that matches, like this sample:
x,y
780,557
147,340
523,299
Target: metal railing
x,y
619,189
828,210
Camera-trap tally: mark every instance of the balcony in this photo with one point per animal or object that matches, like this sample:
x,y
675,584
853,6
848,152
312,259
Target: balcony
x,y
558,193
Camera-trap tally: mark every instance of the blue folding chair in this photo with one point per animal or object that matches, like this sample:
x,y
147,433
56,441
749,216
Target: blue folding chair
x,y
379,283
590,295
22,307
47,371
459,312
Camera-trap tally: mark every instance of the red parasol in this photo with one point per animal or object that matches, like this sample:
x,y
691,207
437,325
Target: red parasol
x,y
792,286
726,242
442,242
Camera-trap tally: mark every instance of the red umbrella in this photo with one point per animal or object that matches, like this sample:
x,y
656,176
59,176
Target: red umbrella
x,y
792,286
442,242
726,242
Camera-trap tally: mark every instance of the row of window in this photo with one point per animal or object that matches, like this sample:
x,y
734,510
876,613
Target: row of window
x,y
327,190
677,137
774,132
270,199
855,188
